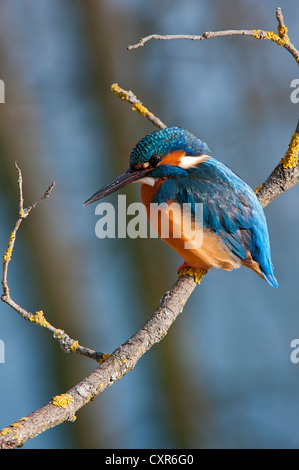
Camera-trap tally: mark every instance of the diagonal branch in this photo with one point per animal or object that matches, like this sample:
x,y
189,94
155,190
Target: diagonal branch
x,y
284,176
129,97
63,407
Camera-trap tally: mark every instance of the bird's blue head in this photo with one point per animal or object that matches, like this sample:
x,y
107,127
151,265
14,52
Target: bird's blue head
x,y
164,142
150,152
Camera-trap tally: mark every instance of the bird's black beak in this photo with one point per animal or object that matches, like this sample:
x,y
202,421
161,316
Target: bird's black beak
x,y
125,178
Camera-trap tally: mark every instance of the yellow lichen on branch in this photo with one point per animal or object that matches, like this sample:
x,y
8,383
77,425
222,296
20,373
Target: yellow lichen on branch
x,y
74,346
12,429
282,31
290,160
8,253
5,431
39,319
104,357
124,95
140,109
63,400
280,39
119,92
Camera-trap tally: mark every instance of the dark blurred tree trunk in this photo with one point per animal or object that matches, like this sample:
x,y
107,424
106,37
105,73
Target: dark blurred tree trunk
x,y
103,27
52,262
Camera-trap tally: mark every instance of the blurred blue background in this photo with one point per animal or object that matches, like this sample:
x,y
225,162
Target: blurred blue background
x,y
222,378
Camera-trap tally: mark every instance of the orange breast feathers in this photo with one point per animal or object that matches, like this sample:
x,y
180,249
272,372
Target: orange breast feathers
x,y
148,192
197,246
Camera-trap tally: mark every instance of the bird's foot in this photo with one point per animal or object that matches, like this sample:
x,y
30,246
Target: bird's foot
x,y
183,266
198,272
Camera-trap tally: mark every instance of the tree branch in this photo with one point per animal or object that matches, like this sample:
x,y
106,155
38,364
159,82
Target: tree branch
x,y
63,407
281,39
284,176
129,97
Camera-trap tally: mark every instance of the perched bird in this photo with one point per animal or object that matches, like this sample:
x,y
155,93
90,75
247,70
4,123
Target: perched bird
x,y
174,166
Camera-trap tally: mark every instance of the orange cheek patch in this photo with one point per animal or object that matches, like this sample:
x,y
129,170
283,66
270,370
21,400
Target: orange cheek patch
x,y
173,158
180,159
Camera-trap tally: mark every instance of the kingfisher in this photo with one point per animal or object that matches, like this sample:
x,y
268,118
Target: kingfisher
x,y
174,166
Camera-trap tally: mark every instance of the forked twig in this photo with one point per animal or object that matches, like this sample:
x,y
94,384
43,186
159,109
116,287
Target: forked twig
x,y
66,342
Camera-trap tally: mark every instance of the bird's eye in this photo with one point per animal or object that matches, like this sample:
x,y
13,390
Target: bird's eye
x,y
154,160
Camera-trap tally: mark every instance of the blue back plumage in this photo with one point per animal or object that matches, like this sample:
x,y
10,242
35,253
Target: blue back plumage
x,y
166,141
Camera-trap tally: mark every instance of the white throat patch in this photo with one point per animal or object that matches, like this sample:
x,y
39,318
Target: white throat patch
x,y
147,180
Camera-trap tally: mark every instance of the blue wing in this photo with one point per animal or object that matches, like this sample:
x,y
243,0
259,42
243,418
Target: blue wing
x,y
230,208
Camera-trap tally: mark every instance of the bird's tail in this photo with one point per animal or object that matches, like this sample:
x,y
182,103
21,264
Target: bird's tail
x,y
270,278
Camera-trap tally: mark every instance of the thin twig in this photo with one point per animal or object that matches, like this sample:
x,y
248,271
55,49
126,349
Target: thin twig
x,y
129,97
279,17
67,344
280,39
191,37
